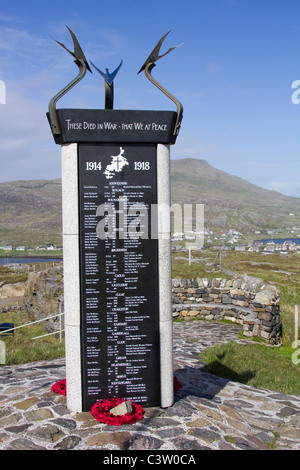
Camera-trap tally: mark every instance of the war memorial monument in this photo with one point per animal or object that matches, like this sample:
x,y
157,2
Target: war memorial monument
x,y
116,244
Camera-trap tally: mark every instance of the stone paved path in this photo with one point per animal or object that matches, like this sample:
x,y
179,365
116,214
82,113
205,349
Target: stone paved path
x,y
208,413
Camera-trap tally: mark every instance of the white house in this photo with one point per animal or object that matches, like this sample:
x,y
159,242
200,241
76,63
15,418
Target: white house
x,y
50,246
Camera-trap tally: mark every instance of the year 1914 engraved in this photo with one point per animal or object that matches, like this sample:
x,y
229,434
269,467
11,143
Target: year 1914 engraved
x,y
142,165
93,166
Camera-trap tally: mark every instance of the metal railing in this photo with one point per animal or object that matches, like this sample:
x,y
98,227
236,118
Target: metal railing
x,y
4,332
39,321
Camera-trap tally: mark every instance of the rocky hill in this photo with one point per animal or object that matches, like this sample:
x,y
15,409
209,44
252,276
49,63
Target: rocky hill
x,y
30,211
230,201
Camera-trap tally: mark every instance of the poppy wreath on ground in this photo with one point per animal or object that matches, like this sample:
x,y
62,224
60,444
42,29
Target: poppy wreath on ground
x,y
177,385
60,387
100,411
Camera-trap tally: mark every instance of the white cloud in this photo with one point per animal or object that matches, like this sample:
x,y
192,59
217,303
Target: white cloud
x,y
190,147
212,68
289,188
27,149
4,17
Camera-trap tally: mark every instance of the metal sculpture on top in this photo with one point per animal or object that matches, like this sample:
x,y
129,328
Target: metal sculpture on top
x,y
109,84
82,63
149,65
83,66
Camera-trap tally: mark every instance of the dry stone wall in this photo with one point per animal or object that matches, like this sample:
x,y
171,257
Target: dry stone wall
x,y
248,301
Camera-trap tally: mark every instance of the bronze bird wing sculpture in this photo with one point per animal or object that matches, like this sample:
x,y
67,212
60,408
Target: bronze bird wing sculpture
x,y
154,56
148,65
83,66
78,52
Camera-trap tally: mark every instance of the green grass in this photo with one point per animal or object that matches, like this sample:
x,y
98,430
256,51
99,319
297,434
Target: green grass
x,y
10,277
21,348
34,254
254,365
181,268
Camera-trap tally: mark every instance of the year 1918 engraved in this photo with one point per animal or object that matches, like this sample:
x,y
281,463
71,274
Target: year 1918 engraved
x,y
93,166
142,165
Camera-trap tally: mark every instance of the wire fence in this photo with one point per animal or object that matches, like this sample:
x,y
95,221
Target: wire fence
x,y
30,266
7,331
60,331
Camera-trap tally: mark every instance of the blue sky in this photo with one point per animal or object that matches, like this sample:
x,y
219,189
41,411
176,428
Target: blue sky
x,y
233,75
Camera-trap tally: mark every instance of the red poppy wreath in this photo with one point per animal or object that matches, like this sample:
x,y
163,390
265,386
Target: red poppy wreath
x,y
100,411
177,385
60,387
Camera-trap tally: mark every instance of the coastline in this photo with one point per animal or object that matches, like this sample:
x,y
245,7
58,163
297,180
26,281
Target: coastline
x,y
278,241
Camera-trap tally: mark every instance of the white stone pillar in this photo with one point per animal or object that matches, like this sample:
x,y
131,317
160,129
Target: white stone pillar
x,y
165,278
71,275
2,352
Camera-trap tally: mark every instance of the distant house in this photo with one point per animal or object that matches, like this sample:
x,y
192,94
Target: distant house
x,y
29,248
41,247
270,247
178,236
288,244
50,246
240,248
8,248
20,248
255,246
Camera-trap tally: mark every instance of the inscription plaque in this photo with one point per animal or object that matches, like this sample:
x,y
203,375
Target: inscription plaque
x,y
98,125
118,273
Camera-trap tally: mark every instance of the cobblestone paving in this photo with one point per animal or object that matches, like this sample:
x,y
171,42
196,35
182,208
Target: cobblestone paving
x,y
209,412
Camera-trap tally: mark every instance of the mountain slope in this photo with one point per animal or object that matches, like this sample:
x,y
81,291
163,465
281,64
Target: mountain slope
x,y
30,211
230,201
